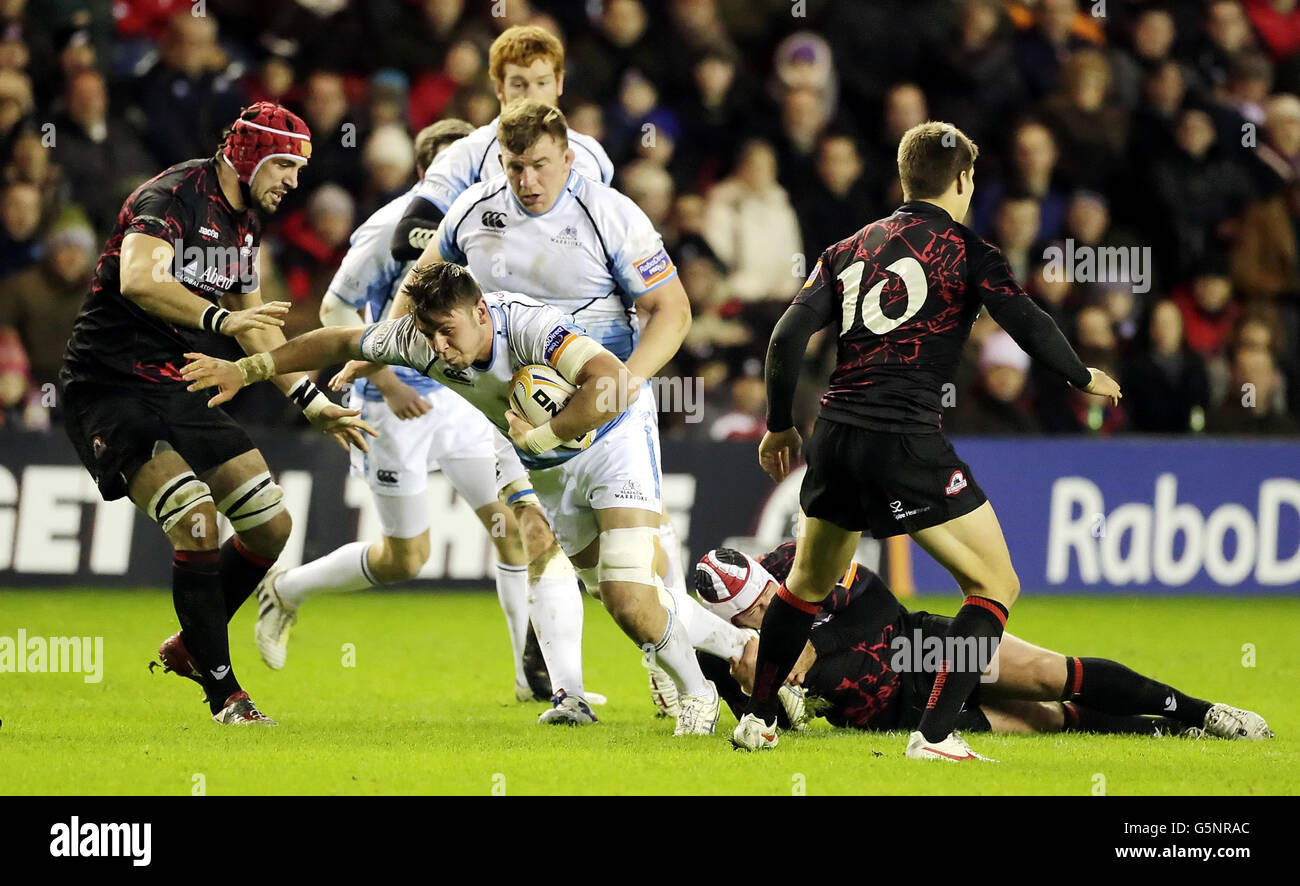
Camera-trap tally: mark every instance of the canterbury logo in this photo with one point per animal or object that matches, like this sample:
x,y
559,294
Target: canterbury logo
x,y
494,219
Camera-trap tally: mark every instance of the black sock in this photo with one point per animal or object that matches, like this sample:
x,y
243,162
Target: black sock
x,y
196,594
972,637
785,631
1112,688
1084,719
241,570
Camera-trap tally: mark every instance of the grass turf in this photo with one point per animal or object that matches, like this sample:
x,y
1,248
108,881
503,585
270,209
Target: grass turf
x,y
427,708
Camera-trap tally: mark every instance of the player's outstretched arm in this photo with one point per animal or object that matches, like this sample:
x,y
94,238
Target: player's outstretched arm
x,y
147,282
313,350
780,445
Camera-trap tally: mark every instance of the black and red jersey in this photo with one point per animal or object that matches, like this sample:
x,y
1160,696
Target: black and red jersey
x,y
903,293
114,341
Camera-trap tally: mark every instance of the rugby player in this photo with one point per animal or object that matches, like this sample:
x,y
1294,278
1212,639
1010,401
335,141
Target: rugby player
x,y
525,61
182,257
868,665
596,496
902,294
423,427
548,232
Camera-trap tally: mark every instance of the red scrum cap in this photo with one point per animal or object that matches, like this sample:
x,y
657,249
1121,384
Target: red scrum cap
x,y
263,131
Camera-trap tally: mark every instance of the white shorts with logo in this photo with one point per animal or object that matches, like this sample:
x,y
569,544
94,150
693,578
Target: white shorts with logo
x,y
453,437
622,469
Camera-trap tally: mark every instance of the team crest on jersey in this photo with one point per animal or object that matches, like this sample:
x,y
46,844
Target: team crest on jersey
x,y
494,220
567,237
655,268
956,483
460,376
812,278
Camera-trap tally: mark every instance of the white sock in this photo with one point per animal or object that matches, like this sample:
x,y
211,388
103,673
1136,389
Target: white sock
x,y
346,569
555,604
675,655
707,632
512,594
672,546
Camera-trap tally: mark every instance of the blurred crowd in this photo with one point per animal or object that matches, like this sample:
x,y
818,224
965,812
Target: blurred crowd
x,y
754,133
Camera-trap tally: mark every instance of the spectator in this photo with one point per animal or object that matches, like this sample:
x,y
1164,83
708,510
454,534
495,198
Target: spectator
x,y
1280,150
1043,50
976,82
622,42
1156,117
840,200
1152,38
1226,33
41,302
1033,172
1196,189
16,105
803,120
1091,131
715,114
20,218
14,379
753,229
1166,385
588,118
905,107
335,137
1250,406
190,94
1208,310
1015,228
996,404
314,242
389,160
101,159
1278,24
747,418
650,188
1265,256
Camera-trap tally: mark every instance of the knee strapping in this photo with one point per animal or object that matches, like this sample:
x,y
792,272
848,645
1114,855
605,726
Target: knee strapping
x,y
176,498
628,555
256,501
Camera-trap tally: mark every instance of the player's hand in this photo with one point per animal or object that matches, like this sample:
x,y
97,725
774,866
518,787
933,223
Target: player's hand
x,y
267,316
777,450
743,668
405,401
1104,386
519,427
803,665
344,426
211,372
353,370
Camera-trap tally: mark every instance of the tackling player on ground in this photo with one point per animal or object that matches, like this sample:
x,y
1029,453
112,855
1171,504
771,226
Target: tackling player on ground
x,y
902,294
868,665
596,496
183,257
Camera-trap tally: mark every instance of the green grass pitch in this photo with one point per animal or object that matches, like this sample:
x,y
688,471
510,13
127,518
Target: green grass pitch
x,y
427,708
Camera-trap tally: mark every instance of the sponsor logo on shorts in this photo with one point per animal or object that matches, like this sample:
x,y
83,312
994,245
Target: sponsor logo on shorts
x,y
900,514
631,491
388,478
956,483
496,220
655,268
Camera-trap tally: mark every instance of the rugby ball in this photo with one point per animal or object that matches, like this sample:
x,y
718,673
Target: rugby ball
x,y
538,392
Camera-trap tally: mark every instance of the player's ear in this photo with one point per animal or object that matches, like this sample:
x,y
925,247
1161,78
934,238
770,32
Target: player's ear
x,y
569,156
559,85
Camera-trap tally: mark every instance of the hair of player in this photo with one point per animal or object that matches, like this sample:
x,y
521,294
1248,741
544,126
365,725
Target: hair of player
x,y
522,45
525,121
433,138
930,157
440,288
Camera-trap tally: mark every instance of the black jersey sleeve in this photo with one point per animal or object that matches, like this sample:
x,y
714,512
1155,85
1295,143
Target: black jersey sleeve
x,y
863,618
418,226
812,309
1023,320
157,213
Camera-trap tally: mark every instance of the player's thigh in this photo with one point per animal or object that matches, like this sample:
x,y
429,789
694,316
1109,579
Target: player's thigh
x,y
1025,671
973,550
253,502
822,552
400,557
1016,716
